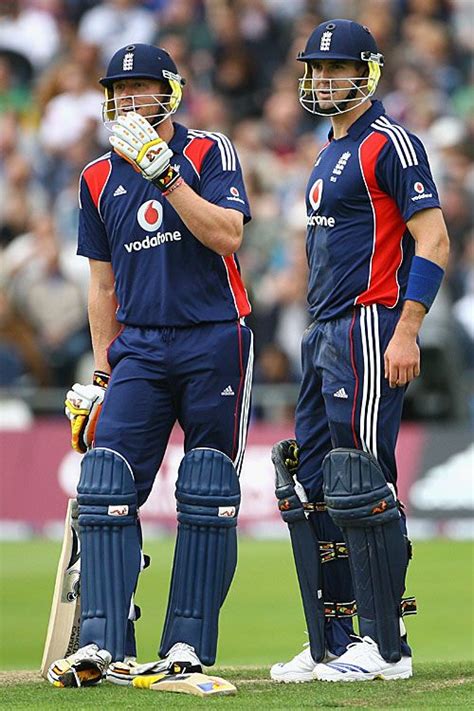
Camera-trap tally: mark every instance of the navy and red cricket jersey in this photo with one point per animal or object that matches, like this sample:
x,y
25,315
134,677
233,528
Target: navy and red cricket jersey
x,y
164,276
363,189
184,353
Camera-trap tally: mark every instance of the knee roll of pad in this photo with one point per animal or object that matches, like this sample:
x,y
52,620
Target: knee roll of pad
x,y
208,499
106,490
110,549
355,490
361,503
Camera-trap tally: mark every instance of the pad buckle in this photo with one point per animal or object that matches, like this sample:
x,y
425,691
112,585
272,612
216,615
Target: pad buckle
x,y
408,606
340,609
318,506
330,550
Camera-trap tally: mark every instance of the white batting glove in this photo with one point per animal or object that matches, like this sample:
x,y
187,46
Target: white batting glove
x,y
137,141
82,407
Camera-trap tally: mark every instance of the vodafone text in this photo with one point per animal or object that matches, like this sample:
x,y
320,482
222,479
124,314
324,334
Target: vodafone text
x,y
152,241
320,221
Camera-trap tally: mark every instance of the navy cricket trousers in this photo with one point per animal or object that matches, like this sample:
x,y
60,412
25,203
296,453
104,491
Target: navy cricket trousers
x,y
199,376
345,401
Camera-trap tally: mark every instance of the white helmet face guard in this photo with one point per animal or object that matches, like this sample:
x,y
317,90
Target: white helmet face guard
x,y
356,92
165,105
162,104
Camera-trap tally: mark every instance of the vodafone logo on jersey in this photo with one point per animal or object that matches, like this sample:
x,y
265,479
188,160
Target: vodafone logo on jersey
x,y
316,193
419,188
150,215
235,195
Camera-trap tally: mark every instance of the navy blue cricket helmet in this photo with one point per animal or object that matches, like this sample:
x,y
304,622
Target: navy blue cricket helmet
x,y
341,39
344,40
144,61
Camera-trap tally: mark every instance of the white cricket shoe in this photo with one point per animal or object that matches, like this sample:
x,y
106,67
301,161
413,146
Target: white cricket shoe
x,y
363,662
181,659
86,667
299,669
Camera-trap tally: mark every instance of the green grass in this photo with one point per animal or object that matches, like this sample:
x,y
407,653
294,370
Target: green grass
x,y
435,686
261,623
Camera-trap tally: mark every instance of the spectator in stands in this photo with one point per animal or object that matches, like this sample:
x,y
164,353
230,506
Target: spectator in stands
x,y
72,113
21,360
273,367
14,95
48,298
110,24
22,195
29,31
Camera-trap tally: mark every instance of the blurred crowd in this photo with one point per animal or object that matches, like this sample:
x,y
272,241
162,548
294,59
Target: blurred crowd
x,y
238,57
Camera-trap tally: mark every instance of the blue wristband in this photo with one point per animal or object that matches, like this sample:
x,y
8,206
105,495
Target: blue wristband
x,y
424,280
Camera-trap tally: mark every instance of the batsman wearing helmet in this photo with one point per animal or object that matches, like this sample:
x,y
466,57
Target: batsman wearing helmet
x,y
377,248
161,217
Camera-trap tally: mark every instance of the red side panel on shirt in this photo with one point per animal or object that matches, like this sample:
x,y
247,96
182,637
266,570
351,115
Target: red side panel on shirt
x,y
196,151
237,287
96,176
389,228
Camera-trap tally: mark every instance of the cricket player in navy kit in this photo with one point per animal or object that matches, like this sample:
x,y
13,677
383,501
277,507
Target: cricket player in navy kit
x,y
161,218
377,248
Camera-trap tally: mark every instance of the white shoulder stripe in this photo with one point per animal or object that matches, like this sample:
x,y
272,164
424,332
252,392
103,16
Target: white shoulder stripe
x,y
230,150
404,137
225,147
398,147
214,137
400,140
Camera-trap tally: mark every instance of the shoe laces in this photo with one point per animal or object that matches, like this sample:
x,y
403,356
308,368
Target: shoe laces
x,y
361,640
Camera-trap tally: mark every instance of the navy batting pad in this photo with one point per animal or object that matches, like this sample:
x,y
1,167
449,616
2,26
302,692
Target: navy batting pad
x,y
110,549
305,550
208,498
361,503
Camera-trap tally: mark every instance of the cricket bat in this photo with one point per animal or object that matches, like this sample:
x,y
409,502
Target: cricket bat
x,y
196,684
62,637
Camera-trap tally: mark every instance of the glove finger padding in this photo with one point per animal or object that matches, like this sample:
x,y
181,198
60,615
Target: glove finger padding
x,y
82,407
132,135
138,142
138,126
72,407
124,148
83,429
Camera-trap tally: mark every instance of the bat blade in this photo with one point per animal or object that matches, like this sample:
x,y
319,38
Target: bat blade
x,y
62,637
195,684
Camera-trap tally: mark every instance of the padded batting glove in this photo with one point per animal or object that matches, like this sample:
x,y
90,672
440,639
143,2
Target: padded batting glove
x,y
82,407
292,457
137,141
